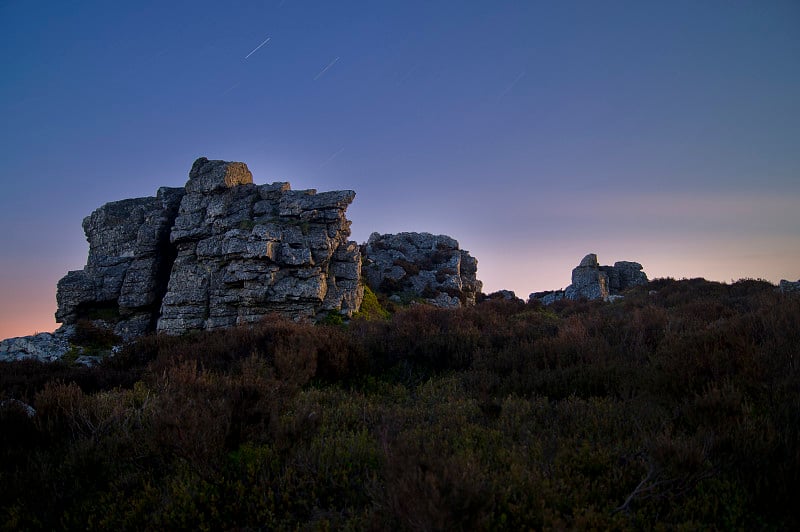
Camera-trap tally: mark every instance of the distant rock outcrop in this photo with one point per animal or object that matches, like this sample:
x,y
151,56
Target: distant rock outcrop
x,y
221,251
421,265
592,281
588,280
789,287
500,295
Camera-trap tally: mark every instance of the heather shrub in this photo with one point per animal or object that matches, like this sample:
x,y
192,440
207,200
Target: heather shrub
x,y
371,308
672,410
94,337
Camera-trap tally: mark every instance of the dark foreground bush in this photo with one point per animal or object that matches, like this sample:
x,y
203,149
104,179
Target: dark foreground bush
x,y
679,409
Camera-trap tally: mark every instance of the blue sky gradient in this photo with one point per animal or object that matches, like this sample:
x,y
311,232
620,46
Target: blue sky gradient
x,y
532,132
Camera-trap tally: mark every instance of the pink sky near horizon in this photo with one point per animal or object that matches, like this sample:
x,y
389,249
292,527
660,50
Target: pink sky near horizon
x,y
545,264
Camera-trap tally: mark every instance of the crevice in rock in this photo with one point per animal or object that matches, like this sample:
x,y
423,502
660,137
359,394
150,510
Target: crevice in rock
x,y
166,253
107,311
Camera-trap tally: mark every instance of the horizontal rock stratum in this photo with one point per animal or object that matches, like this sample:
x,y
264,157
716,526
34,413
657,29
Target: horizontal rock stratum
x,y
223,251
219,252
423,265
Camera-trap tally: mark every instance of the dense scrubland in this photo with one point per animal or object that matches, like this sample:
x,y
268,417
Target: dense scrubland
x,y
678,408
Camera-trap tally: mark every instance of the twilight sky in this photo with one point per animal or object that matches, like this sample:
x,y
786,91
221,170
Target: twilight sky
x,y
666,133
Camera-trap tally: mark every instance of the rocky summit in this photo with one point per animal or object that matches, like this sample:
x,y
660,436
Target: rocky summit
x,y
219,252
432,267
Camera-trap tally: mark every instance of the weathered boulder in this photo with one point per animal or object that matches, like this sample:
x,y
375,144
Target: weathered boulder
x,y
624,275
20,406
208,176
547,297
500,295
588,280
422,265
592,281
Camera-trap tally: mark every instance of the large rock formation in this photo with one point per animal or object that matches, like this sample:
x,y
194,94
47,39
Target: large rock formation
x,y
421,265
592,281
219,252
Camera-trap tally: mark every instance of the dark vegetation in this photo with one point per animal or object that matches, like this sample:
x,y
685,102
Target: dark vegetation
x,y
679,409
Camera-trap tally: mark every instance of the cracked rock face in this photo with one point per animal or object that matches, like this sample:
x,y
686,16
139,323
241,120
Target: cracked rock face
x,y
129,258
219,252
245,251
421,265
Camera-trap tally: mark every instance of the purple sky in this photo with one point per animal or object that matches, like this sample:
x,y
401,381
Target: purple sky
x,y
532,132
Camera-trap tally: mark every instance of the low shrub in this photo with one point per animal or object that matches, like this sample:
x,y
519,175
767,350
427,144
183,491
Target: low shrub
x,y
672,410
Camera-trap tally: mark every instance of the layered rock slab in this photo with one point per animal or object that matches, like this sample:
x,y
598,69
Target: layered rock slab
x,y
432,267
128,265
244,251
218,252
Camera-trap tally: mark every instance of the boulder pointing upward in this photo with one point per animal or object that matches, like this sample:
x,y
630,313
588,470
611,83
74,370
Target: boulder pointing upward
x,y
588,280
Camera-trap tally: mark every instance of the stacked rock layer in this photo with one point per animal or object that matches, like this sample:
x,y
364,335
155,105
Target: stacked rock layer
x,y
219,252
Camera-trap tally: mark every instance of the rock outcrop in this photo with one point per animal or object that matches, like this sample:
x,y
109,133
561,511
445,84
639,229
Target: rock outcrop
x,y
588,280
128,267
223,251
547,297
219,252
44,347
789,287
592,281
500,295
422,265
